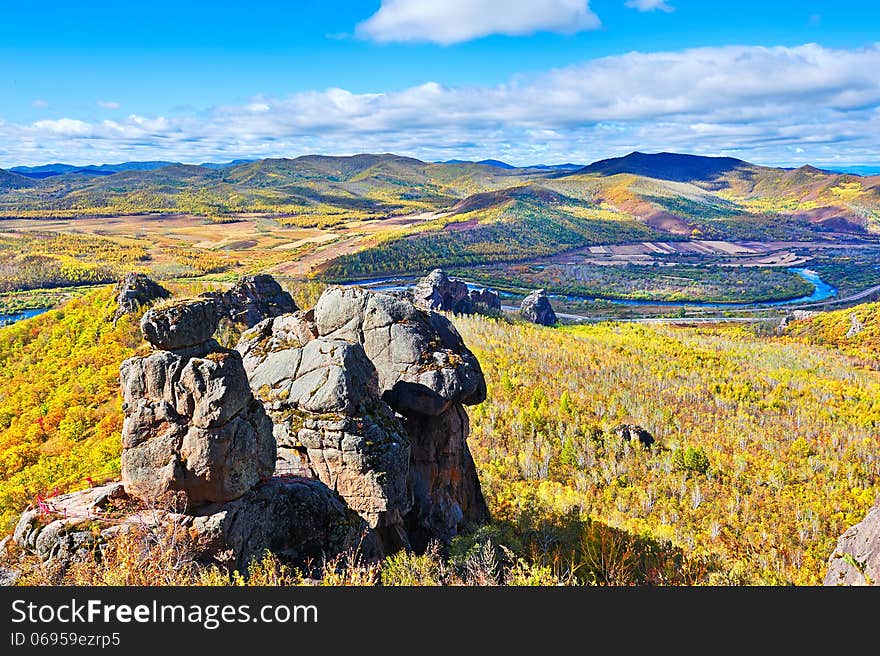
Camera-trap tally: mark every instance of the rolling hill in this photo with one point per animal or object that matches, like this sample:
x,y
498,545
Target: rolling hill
x,y
482,211
669,166
372,185
637,197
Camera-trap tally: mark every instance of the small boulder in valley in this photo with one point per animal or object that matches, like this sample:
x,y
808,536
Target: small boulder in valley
x,y
437,291
536,308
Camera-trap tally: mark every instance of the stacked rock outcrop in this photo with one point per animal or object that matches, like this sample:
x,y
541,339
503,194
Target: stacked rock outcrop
x,y
194,432
426,374
437,291
330,422
191,422
485,300
323,430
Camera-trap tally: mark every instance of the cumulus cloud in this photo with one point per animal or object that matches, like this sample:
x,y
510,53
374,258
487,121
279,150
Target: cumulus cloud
x,y
649,5
454,21
108,104
762,104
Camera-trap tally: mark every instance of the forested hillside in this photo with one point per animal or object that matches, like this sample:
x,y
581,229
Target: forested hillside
x,y
766,448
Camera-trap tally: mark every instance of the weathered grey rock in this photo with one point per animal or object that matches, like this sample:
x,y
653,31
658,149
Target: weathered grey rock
x,y
191,423
426,374
536,308
323,398
62,536
485,300
253,299
856,558
276,336
135,291
633,433
180,325
855,326
437,291
422,362
8,577
301,521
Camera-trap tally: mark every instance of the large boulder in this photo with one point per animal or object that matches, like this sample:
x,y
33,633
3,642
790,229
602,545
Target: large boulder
x,y
437,291
426,374
856,558
536,308
252,299
180,325
135,291
330,422
191,423
633,433
422,363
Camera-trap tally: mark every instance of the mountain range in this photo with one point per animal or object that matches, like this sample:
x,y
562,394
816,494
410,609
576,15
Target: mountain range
x,y
484,210
49,170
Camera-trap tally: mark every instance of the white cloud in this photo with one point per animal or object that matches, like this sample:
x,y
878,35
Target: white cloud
x,y
65,127
108,104
454,21
39,104
753,102
649,5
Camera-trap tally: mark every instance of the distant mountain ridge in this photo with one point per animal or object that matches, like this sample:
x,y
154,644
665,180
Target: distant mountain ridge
x,y
50,170
504,165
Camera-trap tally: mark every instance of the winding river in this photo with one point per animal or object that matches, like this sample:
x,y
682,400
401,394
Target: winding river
x,y
821,291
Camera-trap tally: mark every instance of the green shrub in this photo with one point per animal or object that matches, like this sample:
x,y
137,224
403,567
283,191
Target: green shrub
x,y
690,459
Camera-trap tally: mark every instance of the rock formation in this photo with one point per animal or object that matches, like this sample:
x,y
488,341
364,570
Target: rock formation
x,y
191,421
633,433
485,300
135,291
330,422
796,315
252,299
855,326
299,520
437,291
323,430
194,431
536,308
856,558
426,375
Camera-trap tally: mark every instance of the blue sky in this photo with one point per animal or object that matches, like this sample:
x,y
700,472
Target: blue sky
x,y
540,81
